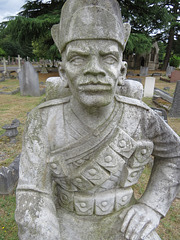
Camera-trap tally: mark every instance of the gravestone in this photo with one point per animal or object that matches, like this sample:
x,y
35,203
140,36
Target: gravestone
x,y
149,86
9,177
143,71
4,65
44,69
29,81
175,76
169,70
19,63
175,109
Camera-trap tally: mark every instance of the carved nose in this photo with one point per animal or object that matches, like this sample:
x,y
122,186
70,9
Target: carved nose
x,y
94,68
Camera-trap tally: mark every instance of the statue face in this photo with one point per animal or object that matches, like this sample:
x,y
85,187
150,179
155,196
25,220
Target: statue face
x,y
92,68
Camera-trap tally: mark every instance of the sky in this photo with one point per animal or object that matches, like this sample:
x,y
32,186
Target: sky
x,y
10,8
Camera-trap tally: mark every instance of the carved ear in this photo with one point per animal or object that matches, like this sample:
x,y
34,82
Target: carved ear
x,y
127,28
55,34
123,71
62,75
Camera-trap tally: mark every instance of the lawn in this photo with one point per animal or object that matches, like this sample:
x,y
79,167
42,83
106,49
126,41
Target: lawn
x,y
16,106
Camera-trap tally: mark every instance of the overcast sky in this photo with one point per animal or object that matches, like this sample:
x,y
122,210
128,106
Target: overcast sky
x,y
10,8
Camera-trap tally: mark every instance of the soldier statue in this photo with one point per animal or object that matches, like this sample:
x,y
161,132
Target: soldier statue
x,y
82,154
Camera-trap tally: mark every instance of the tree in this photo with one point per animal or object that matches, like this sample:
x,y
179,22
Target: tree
x,y
33,24
174,28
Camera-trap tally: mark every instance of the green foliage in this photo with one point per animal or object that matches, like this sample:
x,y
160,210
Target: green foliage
x,y
138,43
175,61
162,51
2,52
145,16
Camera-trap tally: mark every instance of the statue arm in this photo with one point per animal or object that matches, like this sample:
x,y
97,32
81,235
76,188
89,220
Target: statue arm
x,y
142,218
35,211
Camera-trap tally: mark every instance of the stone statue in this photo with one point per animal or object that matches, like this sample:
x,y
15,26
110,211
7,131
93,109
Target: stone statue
x,y
83,153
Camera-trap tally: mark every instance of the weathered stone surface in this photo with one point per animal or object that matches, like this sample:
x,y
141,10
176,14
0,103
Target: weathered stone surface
x,y
56,89
149,86
169,70
29,81
9,177
82,154
175,109
163,95
175,76
144,71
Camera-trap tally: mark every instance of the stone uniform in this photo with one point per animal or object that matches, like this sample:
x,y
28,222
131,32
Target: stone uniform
x,y
72,177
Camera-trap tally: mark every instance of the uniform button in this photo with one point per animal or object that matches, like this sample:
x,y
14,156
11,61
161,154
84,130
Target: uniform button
x,y
92,172
54,166
64,197
83,205
122,143
78,180
143,151
124,199
104,203
80,161
108,159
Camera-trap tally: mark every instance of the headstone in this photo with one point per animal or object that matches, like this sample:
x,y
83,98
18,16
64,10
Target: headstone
x,y
9,177
175,109
4,65
169,70
29,81
149,87
44,69
143,71
175,76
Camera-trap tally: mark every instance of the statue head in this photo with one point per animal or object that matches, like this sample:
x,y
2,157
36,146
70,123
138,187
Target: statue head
x,y
91,38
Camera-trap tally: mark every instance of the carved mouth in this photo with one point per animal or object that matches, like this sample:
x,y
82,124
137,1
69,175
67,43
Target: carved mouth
x,y
95,87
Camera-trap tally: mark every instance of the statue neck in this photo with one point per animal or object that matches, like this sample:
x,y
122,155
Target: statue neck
x,y
91,116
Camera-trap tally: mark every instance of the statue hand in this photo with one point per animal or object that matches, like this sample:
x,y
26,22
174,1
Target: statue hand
x,y
139,221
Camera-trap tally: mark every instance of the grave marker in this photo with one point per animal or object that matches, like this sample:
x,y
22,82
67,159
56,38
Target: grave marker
x,y
149,87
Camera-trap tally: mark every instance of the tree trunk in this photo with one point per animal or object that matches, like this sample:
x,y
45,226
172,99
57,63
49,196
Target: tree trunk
x,y
175,4
168,49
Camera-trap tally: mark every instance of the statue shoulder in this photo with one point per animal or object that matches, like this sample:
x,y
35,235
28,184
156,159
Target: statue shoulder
x,y
53,102
132,101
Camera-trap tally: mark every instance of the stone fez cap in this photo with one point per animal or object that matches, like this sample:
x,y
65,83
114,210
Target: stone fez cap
x,y
90,19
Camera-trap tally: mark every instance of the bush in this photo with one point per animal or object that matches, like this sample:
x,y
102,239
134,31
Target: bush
x,y
175,61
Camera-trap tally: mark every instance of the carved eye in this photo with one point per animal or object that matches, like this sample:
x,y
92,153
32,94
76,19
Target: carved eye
x,y
110,59
77,60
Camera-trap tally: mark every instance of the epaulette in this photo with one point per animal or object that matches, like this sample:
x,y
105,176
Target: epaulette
x,y
132,101
54,102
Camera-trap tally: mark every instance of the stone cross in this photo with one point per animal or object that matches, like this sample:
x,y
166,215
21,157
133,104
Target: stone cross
x,y
19,61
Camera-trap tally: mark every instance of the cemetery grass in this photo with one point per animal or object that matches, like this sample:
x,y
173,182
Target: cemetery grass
x,y
16,106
